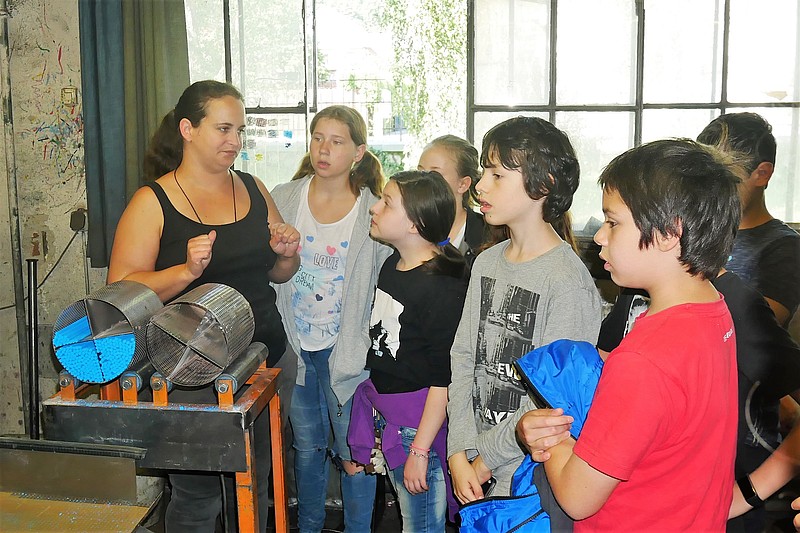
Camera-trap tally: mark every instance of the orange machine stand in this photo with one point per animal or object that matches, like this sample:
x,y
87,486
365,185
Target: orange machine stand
x,y
70,417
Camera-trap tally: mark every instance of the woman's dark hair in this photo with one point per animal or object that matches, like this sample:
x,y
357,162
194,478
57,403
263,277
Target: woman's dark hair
x,y
430,205
678,187
466,157
166,146
543,154
366,173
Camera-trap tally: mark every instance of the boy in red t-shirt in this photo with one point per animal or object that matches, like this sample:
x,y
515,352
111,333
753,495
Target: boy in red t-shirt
x,y
656,452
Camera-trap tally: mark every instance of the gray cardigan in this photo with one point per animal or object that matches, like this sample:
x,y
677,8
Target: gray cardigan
x,y
364,259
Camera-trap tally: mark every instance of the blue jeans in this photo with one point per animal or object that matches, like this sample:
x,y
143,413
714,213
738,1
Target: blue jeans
x,y
425,512
315,410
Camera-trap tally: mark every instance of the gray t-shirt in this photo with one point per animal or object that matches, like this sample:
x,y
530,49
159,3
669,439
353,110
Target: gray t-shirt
x,y
511,309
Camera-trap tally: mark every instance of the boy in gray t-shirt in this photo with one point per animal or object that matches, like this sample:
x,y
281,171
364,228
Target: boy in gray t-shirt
x,y
524,292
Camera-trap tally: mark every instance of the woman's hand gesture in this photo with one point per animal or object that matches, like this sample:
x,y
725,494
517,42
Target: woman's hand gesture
x,y
198,253
284,239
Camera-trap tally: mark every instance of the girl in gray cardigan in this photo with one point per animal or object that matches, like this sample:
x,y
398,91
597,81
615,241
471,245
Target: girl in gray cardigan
x,y
326,307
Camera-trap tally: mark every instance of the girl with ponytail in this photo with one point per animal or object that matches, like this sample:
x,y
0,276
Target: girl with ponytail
x,y
326,307
198,221
457,161
418,304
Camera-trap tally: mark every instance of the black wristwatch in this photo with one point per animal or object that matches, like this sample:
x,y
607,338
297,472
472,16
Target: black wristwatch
x,y
749,492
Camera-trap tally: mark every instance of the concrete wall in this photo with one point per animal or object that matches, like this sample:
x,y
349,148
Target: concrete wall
x,y
44,51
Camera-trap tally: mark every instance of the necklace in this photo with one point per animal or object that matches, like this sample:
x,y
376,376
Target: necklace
x,y
233,193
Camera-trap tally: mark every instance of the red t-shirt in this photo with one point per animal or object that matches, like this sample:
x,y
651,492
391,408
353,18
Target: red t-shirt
x,y
663,421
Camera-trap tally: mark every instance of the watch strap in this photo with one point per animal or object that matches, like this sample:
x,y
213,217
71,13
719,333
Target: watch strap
x,y
749,492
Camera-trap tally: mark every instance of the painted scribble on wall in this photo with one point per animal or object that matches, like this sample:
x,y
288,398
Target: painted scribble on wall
x,y
48,120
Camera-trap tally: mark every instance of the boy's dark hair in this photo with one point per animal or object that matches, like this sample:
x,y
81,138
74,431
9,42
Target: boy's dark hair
x,y
430,206
680,187
543,154
746,133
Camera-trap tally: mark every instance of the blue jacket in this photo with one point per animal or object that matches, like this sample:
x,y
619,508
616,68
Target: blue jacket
x,y
562,374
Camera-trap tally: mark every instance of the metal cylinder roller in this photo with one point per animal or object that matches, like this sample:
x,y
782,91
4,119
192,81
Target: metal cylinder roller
x,y
195,337
101,335
158,382
242,368
65,379
137,375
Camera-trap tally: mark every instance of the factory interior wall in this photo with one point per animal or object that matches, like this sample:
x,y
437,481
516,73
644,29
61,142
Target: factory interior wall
x,y
44,139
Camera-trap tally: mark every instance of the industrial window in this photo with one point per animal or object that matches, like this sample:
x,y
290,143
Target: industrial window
x,y
616,73
292,57
611,73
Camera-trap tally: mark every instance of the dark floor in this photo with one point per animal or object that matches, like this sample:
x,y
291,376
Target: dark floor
x,y
387,521
778,511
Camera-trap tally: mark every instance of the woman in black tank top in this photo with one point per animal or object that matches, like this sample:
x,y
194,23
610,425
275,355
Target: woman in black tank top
x,y
199,222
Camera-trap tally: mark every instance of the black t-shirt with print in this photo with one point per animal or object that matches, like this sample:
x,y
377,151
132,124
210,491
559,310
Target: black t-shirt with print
x,y
414,319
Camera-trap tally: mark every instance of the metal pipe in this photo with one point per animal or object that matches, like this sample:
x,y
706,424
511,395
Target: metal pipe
x,y
240,370
33,348
13,205
137,375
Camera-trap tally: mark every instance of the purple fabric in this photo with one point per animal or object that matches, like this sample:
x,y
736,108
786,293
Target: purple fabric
x,y
399,409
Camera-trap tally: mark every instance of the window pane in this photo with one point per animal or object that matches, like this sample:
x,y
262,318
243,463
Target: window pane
x,y
354,54
267,51
486,121
783,193
205,38
356,67
273,147
763,68
682,51
512,46
596,52
665,123
597,138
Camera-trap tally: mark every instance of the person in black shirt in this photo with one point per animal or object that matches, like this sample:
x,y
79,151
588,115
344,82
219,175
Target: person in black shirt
x,y
418,304
766,251
198,221
457,161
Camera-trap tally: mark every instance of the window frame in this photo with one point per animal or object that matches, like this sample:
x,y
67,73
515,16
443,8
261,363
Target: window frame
x,y
637,108
310,72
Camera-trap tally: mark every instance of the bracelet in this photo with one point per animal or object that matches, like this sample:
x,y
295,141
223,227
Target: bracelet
x,y
418,454
749,491
423,450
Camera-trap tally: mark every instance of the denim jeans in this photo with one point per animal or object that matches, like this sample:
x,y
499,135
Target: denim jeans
x,y
315,410
425,512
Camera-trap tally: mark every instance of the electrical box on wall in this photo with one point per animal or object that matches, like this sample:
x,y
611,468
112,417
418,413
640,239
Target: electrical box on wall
x,y
69,96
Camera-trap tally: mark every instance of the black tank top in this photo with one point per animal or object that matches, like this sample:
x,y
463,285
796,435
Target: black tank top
x,y
241,258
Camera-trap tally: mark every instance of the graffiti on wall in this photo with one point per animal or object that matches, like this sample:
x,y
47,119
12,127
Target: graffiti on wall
x,y
47,115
